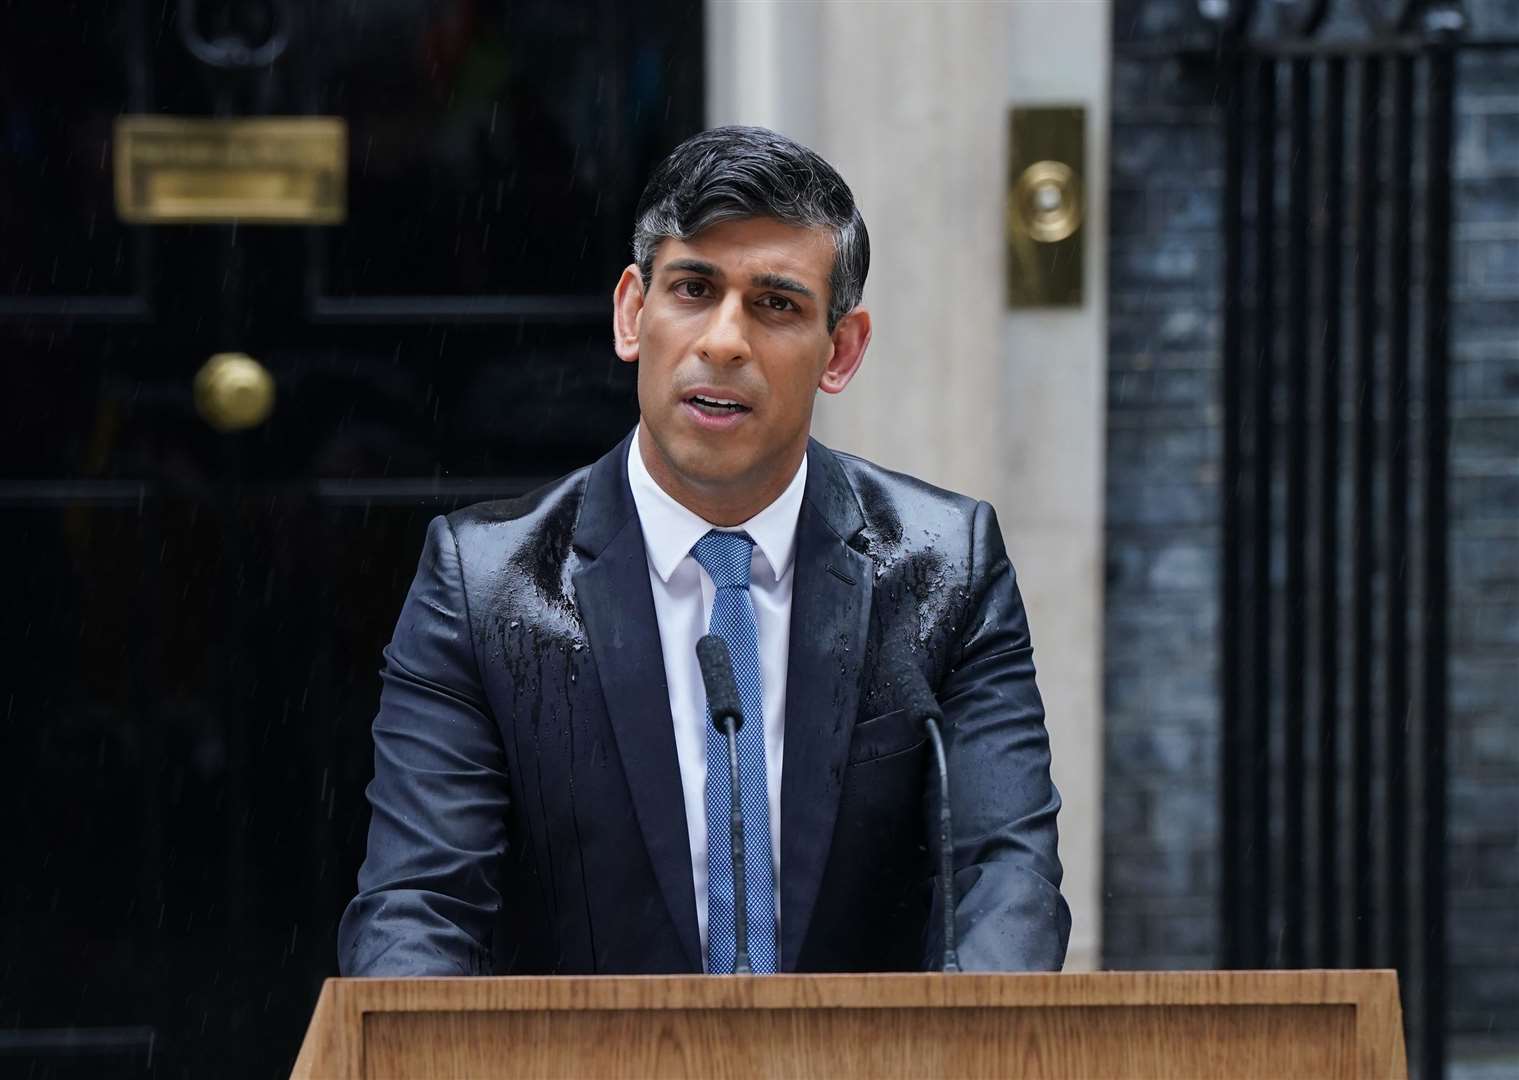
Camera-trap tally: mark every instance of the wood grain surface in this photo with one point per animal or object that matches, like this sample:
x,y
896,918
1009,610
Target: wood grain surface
x,y
1120,1024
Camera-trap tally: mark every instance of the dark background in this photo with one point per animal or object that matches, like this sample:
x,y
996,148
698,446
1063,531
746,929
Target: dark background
x,y
193,620
1163,785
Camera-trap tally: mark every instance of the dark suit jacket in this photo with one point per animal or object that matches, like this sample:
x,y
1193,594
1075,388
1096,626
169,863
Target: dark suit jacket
x,y
527,805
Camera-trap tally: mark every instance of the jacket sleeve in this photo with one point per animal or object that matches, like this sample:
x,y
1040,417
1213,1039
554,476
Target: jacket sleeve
x,y
1010,914
428,893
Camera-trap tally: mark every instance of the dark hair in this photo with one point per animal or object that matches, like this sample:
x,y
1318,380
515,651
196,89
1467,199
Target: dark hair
x,y
730,173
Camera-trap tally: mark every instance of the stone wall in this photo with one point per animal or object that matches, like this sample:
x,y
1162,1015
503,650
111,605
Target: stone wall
x,y
1161,819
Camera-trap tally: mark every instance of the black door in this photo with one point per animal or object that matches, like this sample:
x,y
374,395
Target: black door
x,y
193,619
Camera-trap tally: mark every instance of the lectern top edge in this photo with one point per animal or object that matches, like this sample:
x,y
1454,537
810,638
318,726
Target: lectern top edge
x,y
887,990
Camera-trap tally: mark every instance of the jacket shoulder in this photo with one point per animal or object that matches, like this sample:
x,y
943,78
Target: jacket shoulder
x,y
928,557
497,521
896,504
518,508
516,555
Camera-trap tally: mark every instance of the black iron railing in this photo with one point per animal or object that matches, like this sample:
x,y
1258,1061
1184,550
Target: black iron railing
x,y
1336,280
1312,878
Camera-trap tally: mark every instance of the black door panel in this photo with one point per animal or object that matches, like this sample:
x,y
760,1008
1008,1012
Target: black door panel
x,y
193,623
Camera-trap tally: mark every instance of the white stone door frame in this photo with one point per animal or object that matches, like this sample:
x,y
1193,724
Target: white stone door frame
x,y
910,100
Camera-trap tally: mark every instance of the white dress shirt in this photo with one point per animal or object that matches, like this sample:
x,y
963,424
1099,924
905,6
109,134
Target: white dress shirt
x,y
683,595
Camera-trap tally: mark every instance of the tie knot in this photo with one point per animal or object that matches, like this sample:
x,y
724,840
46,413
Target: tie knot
x,y
726,557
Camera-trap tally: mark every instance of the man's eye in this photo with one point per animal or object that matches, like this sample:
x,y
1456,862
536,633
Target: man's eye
x,y
778,303
692,289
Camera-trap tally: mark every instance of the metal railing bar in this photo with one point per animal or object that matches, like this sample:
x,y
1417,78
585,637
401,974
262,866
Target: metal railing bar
x,y
1295,538
1395,631
1437,214
1331,282
1258,895
1233,876
1364,558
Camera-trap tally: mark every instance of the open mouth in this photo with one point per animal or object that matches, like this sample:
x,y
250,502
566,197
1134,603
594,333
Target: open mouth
x,y
716,406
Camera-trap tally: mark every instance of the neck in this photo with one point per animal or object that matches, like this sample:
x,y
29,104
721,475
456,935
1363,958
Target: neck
x,y
727,504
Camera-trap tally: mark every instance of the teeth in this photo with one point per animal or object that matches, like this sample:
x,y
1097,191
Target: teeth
x,y
716,401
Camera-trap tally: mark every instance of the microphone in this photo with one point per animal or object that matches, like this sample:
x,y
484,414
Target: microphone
x,y
727,710
920,703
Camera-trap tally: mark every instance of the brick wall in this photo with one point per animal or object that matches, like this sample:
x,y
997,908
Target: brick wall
x,y
1161,828
1484,551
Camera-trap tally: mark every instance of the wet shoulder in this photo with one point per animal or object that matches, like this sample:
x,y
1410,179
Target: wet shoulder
x,y
538,526
919,538
904,513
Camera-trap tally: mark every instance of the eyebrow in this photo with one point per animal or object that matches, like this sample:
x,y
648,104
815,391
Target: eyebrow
x,y
781,282
694,266
763,281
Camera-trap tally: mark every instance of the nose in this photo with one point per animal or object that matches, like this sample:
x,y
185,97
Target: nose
x,y
725,338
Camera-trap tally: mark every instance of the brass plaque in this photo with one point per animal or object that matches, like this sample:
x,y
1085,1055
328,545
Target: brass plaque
x,y
179,170
1046,205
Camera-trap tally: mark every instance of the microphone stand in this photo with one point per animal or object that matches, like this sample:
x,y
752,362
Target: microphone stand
x,y
920,702
736,829
946,847
727,710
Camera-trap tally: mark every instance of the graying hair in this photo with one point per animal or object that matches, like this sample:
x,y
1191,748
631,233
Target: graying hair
x,y
732,173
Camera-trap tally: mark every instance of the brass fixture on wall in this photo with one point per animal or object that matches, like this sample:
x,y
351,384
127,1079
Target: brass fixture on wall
x,y
1046,205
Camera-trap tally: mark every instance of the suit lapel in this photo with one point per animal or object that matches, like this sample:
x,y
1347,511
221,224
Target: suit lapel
x,y
830,612
617,605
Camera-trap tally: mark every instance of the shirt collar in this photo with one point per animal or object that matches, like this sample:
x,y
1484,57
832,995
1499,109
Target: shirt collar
x,y
670,529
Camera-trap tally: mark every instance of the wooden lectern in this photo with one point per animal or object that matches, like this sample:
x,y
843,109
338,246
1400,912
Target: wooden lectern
x,y
1268,1024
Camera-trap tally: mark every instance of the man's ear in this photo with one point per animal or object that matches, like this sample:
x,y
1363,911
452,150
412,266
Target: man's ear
x,y
850,337
627,308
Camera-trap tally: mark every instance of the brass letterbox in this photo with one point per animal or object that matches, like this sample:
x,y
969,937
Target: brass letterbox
x,y
290,170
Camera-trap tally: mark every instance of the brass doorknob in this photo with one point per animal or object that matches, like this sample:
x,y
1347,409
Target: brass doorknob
x,y
234,392
1046,202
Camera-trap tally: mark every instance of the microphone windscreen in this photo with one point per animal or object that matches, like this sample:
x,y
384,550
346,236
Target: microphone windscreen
x,y
913,690
717,676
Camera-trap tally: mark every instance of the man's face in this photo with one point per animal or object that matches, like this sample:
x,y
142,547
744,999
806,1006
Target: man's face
x,y
732,342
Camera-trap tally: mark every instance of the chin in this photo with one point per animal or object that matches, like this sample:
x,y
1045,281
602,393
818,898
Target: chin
x,y
703,467
707,459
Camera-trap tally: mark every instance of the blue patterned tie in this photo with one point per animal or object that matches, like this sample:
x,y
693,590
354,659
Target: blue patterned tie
x,y
726,557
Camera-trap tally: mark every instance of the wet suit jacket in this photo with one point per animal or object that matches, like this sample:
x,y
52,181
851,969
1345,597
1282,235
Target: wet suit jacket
x,y
527,810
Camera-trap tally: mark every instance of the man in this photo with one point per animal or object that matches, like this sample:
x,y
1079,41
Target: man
x,y
549,795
